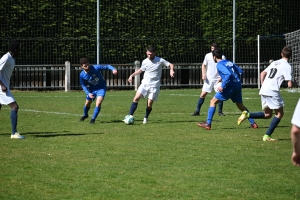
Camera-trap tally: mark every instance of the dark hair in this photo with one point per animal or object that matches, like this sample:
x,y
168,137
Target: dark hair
x,y
216,45
83,61
151,49
217,53
287,52
14,47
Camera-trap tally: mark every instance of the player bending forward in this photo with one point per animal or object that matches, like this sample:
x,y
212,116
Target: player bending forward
x,y
152,66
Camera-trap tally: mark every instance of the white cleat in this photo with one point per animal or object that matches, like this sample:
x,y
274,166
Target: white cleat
x,y
145,121
17,136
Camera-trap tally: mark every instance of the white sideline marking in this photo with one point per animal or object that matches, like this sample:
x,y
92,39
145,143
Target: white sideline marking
x,y
56,113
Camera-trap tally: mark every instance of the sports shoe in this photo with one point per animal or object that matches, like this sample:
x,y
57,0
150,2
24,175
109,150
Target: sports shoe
x,y
16,136
268,138
204,125
221,114
145,121
83,118
195,113
254,125
243,116
92,121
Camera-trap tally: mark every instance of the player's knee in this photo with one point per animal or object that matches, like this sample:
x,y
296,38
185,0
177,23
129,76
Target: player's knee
x,y
268,115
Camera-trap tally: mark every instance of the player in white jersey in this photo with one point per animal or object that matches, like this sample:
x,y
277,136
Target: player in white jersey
x,y
7,65
295,135
211,80
152,68
271,79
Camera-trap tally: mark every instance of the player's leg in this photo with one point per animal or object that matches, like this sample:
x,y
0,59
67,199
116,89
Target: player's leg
x,y
141,93
99,96
14,120
207,88
152,96
210,114
217,84
86,108
274,123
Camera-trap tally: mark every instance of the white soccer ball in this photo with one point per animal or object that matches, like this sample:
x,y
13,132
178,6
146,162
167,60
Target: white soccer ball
x,y
129,119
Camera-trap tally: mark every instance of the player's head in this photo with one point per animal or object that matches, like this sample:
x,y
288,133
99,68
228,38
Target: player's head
x,y
214,46
286,52
217,54
150,51
84,64
14,48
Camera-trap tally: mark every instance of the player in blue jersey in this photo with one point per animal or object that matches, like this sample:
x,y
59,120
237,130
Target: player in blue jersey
x,y
231,88
271,79
152,68
94,85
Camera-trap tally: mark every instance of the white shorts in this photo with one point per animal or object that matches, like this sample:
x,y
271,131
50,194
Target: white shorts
x,y
274,102
209,85
6,97
151,92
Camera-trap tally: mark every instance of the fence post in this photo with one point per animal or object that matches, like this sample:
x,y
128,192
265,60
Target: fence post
x,y
137,65
67,76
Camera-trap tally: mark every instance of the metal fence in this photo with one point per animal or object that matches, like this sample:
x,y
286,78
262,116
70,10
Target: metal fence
x,y
66,77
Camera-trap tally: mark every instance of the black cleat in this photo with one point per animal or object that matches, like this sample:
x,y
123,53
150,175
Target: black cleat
x,y
83,118
221,114
195,113
92,121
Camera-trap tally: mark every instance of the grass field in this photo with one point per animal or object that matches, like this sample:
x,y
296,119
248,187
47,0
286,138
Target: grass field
x,y
169,158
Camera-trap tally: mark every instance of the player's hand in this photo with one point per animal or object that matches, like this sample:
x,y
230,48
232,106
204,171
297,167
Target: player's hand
x,y
172,73
130,79
296,159
220,89
114,71
3,88
203,77
91,95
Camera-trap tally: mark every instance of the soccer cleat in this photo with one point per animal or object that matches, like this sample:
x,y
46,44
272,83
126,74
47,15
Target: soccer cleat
x,y
268,138
195,113
145,121
83,118
243,116
204,125
254,125
16,136
221,114
92,121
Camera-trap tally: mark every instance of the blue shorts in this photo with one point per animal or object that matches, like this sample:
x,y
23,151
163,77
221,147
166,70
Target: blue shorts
x,y
234,93
96,93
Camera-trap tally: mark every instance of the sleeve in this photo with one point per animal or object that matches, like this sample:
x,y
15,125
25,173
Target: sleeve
x,y
3,61
104,67
166,63
83,84
287,73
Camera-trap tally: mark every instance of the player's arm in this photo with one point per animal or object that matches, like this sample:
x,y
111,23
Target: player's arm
x,y
263,75
203,68
295,136
134,74
171,70
82,83
3,87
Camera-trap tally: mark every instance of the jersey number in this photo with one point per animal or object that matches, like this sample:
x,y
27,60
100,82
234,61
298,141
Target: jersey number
x,y
272,73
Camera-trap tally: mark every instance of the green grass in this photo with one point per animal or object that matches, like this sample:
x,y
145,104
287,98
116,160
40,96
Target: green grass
x,y
169,158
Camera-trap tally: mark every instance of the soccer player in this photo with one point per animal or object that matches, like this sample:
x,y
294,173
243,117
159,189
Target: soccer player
x,y
231,88
295,135
7,65
94,85
211,80
271,79
152,66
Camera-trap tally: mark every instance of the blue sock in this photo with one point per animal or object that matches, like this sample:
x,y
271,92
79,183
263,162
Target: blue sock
x,y
220,104
210,114
257,115
148,111
275,121
199,104
133,108
96,112
250,119
86,110
14,121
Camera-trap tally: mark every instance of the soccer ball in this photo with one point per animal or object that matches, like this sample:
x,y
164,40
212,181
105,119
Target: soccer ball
x,y
129,119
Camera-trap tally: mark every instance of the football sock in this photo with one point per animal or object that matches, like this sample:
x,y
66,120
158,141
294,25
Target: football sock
x,y
86,110
210,114
133,108
199,104
251,120
220,104
96,112
257,115
275,121
14,121
148,111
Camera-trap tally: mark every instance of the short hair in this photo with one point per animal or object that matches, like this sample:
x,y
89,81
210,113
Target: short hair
x,y
14,46
151,49
287,52
217,53
83,61
215,45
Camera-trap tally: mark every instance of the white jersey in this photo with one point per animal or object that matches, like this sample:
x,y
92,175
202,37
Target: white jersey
x,y
211,69
7,65
153,70
277,72
296,116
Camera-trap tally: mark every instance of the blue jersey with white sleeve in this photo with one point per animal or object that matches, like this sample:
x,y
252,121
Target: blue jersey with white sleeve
x,y
230,73
93,80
